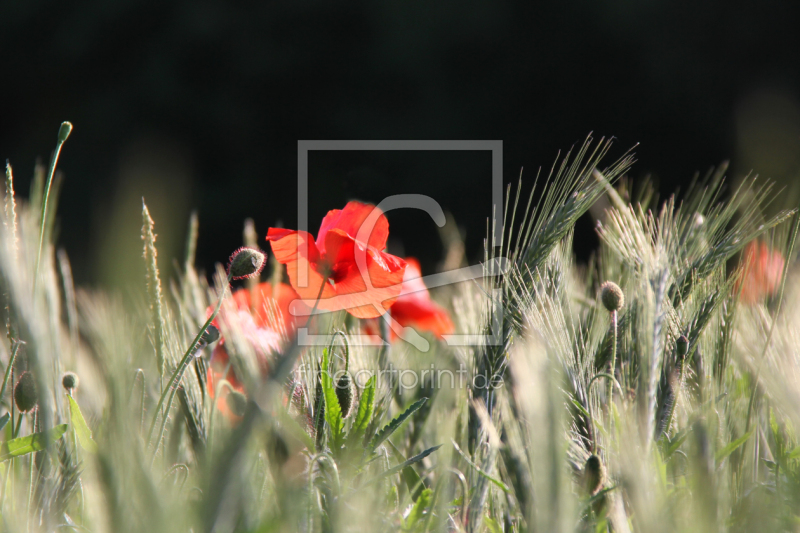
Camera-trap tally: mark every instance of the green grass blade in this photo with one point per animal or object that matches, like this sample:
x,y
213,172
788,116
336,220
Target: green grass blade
x,y
731,447
392,426
366,408
31,443
80,427
417,458
333,412
418,511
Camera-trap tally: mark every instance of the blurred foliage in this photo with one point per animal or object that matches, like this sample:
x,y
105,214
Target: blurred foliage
x,y
204,101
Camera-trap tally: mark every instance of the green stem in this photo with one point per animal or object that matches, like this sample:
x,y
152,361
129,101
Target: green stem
x,y
177,375
63,133
32,467
15,431
8,373
613,356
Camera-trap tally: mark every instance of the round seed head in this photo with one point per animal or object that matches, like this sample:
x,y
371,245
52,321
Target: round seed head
x,y
246,263
682,347
344,393
70,381
25,393
236,402
612,296
594,474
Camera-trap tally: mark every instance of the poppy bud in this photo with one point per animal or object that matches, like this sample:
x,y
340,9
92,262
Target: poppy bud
x,y
594,475
612,296
64,131
682,347
344,393
236,402
246,263
319,414
211,334
70,381
25,393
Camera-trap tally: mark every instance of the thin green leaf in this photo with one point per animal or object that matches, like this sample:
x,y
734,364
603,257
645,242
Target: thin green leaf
x,y
675,443
492,525
417,458
730,448
418,511
31,443
392,426
333,411
4,420
80,427
410,476
366,407
502,486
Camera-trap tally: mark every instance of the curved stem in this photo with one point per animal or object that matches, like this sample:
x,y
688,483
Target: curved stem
x,y
609,377
51,172
177,375
341,333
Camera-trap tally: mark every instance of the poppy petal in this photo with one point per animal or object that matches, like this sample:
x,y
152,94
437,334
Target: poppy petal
x,y
350,219
423,315
383,271
290,245
216,373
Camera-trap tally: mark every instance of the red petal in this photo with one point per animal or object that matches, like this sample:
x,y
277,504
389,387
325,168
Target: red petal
x,y
423,315
413,286
384,272
290,245
350,219
216,368
414,307
763,269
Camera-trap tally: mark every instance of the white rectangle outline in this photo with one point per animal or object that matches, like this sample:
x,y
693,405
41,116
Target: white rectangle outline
x,y
304,146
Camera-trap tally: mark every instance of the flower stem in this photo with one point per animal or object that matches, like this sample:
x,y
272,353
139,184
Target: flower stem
x,y
613,356
66,127
8,373
177,375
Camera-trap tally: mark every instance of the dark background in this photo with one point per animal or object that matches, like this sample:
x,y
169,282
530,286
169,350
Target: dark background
x,y
199,105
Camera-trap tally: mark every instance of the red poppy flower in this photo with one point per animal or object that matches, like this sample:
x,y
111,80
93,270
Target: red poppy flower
x,y
332,260
414,307
763,268
264,320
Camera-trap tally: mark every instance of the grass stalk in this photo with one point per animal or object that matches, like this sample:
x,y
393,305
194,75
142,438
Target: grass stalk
x,y
177,375
63,133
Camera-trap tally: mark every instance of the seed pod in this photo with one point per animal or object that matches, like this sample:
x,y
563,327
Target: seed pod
x,y
70,381
612,296
25,394
682,347
236,402
246,263
344,393
211,334
594,474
